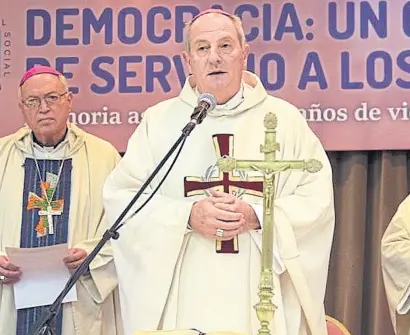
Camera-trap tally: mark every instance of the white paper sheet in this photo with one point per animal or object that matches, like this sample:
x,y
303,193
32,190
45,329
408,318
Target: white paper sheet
x,y
44,275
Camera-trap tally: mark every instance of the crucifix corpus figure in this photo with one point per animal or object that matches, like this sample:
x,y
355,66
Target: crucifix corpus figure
x,y
268,167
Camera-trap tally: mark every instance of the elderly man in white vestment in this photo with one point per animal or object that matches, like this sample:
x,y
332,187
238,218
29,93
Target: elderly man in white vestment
x,y
52,175
395,250
191,258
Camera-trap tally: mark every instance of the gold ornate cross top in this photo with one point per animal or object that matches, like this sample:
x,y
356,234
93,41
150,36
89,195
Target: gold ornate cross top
x,y
265,309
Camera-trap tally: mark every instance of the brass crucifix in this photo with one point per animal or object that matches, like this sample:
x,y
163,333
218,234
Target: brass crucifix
x,y
265,309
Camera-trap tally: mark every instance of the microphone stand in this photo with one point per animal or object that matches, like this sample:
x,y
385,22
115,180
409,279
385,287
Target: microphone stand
x,y
43,326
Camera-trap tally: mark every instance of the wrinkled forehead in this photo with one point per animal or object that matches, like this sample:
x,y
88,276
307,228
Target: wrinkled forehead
x,y
213,26
42,84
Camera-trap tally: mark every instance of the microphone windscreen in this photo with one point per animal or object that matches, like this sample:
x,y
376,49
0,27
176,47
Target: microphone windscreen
x,y
208,98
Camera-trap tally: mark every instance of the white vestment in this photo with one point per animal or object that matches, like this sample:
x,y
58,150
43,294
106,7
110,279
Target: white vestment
x,y
395,250
169,276
97,310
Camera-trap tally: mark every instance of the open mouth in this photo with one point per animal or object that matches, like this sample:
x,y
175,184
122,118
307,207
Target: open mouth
x,y
216,73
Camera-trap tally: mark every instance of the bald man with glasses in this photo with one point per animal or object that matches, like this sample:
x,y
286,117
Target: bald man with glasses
x,y
51,180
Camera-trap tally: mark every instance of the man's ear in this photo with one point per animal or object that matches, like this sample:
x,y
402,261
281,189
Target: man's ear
x,y
187,60
245,54
70,100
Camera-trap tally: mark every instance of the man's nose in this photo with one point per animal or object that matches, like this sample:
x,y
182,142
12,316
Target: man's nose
x,y
214,56
44,108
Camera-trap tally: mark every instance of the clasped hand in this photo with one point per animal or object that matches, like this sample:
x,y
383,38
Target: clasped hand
x,y
222,211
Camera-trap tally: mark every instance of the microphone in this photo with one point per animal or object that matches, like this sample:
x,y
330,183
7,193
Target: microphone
x,y
206,103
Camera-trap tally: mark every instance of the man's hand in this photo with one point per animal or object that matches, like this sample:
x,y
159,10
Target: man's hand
x,y
9,272
230,203
206,218
75,258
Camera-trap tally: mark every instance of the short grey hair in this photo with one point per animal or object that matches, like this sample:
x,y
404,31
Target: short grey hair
x,y
62,79
236,20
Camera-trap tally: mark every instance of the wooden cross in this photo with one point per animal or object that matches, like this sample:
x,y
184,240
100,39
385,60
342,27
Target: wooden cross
x,y
265,309
46,210
225,182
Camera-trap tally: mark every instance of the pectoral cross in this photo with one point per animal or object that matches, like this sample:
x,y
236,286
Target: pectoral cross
x,y
265,309
49,213
46,209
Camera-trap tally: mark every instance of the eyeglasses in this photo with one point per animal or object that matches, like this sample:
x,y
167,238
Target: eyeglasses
x,y
50,99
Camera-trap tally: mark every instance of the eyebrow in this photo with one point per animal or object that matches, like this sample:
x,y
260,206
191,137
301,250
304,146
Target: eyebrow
x,y
36,96
225,38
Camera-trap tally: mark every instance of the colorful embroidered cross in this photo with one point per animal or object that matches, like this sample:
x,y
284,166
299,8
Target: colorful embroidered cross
x,y
46,210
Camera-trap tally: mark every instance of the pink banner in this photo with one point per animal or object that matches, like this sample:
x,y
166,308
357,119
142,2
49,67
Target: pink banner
x,y
344,64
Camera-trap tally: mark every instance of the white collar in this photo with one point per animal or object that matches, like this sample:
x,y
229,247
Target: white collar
x,y
232,103
45,152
